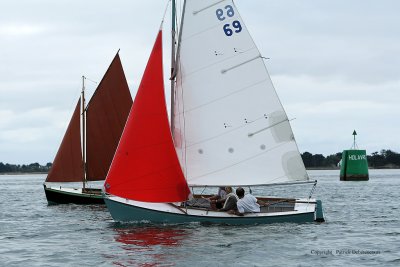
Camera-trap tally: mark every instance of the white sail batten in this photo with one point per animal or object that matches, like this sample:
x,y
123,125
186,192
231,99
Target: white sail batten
x,y
230,127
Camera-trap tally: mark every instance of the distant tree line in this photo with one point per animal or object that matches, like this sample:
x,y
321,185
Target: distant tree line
x,y
382,159
33,167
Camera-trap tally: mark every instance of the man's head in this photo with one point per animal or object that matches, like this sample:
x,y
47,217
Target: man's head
x,y
228,189
240,192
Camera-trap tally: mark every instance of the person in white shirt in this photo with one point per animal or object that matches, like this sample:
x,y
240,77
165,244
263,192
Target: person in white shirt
x,y
247,203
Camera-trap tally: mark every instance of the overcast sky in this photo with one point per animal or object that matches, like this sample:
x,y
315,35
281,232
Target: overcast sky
x,y
334,64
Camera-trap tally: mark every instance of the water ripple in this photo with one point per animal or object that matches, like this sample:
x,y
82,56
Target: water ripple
x,y
361,218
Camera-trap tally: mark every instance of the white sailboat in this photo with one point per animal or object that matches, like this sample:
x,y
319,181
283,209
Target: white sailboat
x,y
229,129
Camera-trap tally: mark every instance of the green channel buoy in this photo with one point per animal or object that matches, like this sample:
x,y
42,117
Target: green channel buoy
x,y
354,164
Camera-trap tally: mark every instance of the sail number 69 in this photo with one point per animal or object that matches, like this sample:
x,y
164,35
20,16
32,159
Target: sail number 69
x,y
227,27
236,25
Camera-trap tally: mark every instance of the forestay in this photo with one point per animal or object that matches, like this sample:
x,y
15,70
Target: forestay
x,y
230,127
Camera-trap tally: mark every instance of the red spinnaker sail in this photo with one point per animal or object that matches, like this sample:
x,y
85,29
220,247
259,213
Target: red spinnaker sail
x,y
145,166
68,165
107,112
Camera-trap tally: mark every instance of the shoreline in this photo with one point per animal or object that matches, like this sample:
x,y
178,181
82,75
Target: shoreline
x,y
17,173
308,169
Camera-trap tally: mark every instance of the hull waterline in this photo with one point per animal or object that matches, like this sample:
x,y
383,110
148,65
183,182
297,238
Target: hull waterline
x,y
122,212
57,196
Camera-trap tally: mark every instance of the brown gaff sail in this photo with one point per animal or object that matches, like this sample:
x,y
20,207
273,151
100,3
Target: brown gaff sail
x,y
107,112
106,116
68,165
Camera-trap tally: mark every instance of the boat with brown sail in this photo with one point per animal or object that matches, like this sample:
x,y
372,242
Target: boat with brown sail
x,y
90,141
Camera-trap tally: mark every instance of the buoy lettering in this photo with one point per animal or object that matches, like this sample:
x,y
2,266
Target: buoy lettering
x,y
357,157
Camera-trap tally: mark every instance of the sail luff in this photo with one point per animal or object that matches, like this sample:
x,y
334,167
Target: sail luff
x,y
176,120
107,112
67,165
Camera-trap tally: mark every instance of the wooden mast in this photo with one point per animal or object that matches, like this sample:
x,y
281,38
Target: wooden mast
x,y
83,133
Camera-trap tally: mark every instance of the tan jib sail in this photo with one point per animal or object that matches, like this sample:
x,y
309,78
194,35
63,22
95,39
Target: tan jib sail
x,y
107,112
68,165
106,115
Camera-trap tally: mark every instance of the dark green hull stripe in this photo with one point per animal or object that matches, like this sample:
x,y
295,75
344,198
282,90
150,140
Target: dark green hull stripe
x,y
126,213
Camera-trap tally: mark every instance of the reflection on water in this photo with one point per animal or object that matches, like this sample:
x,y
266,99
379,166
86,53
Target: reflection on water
x,y
146,245
149,236
360,215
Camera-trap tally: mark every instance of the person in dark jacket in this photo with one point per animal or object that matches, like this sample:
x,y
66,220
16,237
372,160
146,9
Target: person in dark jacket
x,y
230,200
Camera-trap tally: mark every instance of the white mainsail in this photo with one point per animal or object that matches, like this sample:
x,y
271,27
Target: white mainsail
x,y
230,127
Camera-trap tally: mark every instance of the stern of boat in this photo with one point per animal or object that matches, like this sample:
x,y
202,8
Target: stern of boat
x,y
319,214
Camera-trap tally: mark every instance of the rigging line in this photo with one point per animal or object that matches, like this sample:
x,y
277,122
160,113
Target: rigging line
x,y
312,190
227,95
181,119
223,71
90,100
266,128
207,7
240,162
165,13
311,193
178,208
86,78
181,103
321,187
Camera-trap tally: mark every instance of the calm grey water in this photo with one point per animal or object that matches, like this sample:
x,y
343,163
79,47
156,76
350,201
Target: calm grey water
x,y
362,217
